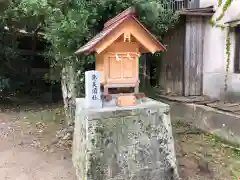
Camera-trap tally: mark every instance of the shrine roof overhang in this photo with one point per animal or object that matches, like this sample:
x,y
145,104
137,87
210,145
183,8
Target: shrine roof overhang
x,y
233,22
206,11
110,26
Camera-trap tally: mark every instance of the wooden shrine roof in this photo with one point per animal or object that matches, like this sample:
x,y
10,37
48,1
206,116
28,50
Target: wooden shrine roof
x,y
111,25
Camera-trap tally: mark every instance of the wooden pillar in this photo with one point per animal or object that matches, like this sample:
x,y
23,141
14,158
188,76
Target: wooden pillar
x,y
145,72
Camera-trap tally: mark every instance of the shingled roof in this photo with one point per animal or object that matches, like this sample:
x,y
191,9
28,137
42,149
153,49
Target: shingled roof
x,y
111,25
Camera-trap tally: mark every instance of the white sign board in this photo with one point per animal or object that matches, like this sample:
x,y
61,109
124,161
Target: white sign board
x,y
92,90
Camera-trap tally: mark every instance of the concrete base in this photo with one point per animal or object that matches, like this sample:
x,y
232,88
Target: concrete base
x,y
223,124
124,143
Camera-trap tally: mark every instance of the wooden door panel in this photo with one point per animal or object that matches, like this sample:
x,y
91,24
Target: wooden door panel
x,y
194,56
129,67
114,68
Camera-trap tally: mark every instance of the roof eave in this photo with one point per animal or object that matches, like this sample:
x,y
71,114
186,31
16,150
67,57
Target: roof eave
x,y
235,22
87,50
195,14
164,49
207,11
153,37
91,49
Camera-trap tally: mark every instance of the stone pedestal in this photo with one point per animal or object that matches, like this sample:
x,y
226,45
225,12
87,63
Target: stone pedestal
x,y
119,143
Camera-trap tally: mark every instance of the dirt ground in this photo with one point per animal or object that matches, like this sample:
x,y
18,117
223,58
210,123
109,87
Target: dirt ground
x,y
204,156
26,152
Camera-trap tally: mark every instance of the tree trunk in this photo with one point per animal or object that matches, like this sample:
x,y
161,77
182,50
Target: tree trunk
x,y
145,74
68,78
144,64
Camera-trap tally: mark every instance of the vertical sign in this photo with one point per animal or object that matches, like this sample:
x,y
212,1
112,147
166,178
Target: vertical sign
x,y
92,89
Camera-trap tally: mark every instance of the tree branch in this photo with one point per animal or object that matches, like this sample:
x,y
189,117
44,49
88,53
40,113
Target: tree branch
x,y
38,28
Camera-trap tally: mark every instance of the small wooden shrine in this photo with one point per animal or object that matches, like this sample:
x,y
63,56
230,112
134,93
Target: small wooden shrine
x,y
118,47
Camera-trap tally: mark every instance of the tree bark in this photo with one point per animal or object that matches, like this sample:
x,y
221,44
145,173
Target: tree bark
x,y
68,80
144,64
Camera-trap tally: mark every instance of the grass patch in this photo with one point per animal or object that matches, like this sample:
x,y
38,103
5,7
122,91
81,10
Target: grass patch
x,y
218,141
47,114
222,154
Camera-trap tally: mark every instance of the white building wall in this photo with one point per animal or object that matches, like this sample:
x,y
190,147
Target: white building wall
x,y
207,3
214,64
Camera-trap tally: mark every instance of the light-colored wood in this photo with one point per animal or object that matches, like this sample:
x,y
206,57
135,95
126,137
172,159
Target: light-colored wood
x,y
106,69
127,100
118,47
117,85
123,71
129,67
115,68
127,37
137,31
118,60
100,67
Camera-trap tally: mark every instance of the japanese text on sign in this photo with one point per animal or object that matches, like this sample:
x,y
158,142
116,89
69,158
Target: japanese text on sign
x,y
94,87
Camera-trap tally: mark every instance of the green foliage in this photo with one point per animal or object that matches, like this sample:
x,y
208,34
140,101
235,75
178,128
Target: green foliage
x,y
219,3
225,7
234,25
212,22
69,24
222,26
228,40
228,49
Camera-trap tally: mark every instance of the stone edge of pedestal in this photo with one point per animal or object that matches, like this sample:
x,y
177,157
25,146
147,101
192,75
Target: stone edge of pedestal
x,y
149,105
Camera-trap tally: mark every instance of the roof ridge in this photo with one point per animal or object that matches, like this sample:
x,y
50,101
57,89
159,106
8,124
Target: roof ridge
x,y
128,12
110,26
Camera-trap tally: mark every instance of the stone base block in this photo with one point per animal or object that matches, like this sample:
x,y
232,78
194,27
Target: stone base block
x,y
124,143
